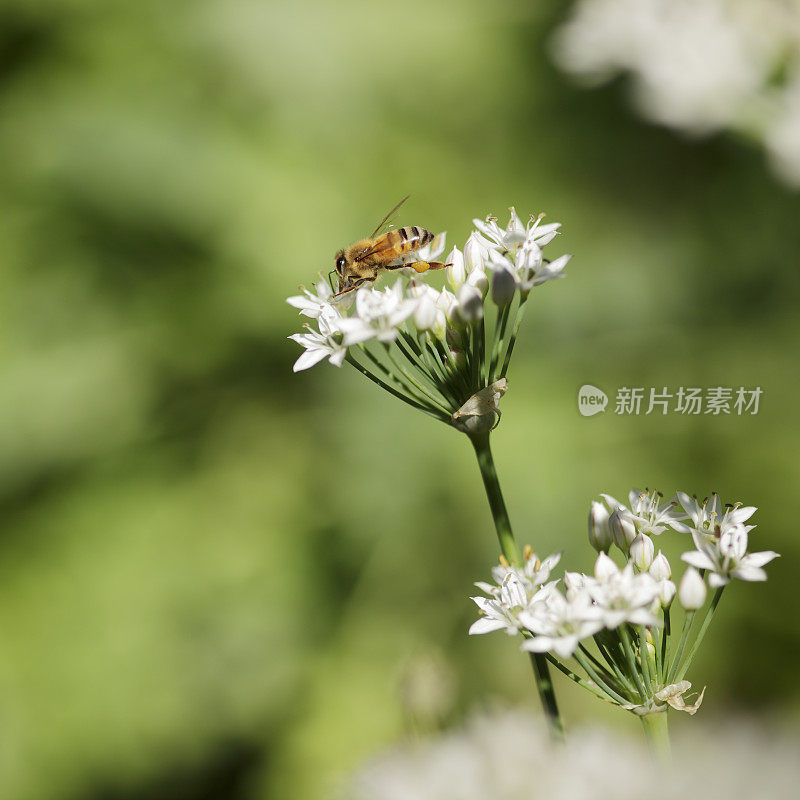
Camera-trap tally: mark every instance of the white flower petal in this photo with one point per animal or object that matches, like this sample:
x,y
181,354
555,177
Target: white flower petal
x,y
309,359
697,559
485,625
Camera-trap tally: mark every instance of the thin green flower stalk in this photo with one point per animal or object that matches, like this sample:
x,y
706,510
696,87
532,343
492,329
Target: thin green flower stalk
x,y
445,352
611,631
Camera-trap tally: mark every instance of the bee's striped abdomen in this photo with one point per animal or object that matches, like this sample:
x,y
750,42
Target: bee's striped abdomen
x,y
411,238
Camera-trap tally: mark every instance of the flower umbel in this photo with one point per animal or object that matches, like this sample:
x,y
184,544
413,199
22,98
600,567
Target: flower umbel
x,y
615,623
444,352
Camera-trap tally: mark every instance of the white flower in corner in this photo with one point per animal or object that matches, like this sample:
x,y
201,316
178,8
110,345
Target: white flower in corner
x,y
324,343
725,556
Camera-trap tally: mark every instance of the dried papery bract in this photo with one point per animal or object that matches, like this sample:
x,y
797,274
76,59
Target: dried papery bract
x,y
481,413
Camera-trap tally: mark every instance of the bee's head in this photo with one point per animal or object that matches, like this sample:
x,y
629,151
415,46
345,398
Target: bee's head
x,y
339,268
339,263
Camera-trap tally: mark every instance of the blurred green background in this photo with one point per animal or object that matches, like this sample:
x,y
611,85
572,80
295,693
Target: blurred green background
x,y
188,607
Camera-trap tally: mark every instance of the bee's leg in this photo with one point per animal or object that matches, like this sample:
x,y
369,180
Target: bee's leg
x,y
355,285
426,266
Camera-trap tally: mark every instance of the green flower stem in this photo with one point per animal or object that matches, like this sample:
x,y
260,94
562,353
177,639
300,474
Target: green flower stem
x,y
706,622
483,452
517,322
687,626
664,650
657,732
482,351
420,364
445,366
597,664
421,390
497,339
474,354
434,366
590,671
622,679
645,659
577,678
626,641
375,379
508,546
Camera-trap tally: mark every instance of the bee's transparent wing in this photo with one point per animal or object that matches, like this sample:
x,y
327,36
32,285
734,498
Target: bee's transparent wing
x,y
388,216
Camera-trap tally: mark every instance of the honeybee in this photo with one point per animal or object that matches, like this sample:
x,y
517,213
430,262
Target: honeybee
x,y
364,260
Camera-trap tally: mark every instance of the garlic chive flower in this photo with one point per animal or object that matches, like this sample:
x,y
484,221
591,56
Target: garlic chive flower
x,y
326,342
444,351
611,631
711,517
622,595
725,557
513,591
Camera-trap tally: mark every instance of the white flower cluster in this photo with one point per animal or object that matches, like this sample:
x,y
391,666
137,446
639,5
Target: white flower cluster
x,y
721,540
506,261
624,609
557,622
698,65
509,756
719,534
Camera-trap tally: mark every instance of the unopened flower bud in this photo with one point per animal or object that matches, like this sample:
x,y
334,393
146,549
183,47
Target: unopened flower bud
x,y
459,358
666,593
604,567
651,650
622,529
456,270
470,304
478,279
474,253
642,550
599,532
504,284
446,302
692,591
454,338
574,583
439,327
660,569
425,313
